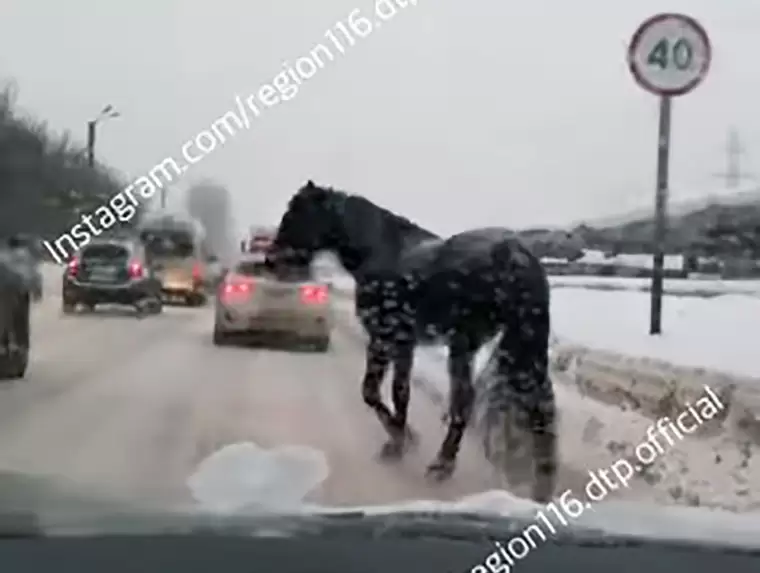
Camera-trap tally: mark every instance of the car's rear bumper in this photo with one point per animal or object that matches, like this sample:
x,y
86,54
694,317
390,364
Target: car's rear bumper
x,y
173,289
124,293
306,325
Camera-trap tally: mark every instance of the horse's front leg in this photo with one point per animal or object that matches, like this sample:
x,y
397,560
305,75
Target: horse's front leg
x,y
401,435
377,360
462,398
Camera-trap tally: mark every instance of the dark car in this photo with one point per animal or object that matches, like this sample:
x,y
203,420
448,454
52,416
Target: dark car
x,y
111,271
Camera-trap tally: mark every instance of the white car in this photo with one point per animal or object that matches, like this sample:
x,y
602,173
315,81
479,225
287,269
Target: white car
x,y
252,302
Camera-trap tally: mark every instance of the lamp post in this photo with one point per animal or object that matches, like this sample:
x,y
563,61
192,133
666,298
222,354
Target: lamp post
x,y
108,112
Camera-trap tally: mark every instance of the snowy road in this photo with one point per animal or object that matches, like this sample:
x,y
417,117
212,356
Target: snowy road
x,y
130,407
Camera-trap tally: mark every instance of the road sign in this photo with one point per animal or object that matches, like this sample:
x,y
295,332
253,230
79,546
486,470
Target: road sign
x,y
669,54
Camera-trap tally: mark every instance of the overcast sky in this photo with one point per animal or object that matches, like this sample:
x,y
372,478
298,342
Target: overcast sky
x,y
456,114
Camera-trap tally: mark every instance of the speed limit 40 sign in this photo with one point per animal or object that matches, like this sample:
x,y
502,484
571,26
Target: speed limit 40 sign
x,y
669,54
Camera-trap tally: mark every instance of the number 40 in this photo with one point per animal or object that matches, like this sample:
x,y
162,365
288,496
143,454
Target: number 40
x,y
681,54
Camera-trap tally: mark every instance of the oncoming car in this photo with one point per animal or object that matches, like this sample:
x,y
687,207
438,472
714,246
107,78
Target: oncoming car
x,y
111,271
251,301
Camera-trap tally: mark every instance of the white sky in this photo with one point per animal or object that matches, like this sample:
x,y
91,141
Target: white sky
x,y
456,114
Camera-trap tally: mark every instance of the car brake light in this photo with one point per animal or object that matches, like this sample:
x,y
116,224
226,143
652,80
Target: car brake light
x,y
197,272
236,289
314,294
135,270
73,267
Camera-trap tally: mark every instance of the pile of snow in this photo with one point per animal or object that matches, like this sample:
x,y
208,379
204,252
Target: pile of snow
x,y
245,475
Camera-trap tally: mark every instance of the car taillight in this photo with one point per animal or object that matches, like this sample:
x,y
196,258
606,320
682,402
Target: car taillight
x,y
136,270
72,268
235,289
314,294
197,272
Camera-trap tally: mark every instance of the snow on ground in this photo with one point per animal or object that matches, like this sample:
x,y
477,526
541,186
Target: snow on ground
x,y
703,287
718,333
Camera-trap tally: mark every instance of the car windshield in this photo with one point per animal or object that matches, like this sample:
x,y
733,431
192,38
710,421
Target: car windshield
x,y
499,274
105,252
251,268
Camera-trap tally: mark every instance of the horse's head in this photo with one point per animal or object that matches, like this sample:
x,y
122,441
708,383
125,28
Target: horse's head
x,y
309,225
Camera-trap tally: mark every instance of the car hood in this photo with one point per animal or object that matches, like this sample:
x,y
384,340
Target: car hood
x,y
50,506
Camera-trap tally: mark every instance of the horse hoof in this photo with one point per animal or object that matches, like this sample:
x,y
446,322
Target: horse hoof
x,y
441,470
392,450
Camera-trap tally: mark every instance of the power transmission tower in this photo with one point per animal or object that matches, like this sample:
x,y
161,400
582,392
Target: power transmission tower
x,y
733,176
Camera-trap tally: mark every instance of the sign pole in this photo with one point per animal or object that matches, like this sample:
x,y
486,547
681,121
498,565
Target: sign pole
x,y
669,55
660,216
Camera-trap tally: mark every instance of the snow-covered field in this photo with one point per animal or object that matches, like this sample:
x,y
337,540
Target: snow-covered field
x,y
719,333
701,287
716,333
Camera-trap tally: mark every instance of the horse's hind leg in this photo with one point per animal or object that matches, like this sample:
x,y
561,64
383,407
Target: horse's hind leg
x,y
462,398
401,435
524,359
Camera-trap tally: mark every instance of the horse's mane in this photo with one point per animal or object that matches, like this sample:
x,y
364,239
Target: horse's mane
x,y
362,205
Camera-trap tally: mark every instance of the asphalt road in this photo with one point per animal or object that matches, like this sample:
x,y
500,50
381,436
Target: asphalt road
x,y
129,408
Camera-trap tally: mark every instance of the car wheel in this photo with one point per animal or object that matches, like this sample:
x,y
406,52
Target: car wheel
x,y
15,356
196,300
68,307
13,364
220,338
157,305
322,344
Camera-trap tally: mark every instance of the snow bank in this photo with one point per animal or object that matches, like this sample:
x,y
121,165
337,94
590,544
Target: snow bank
x,y
602,342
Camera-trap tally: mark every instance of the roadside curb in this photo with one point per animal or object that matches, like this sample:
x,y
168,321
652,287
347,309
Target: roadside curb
x,y
657,389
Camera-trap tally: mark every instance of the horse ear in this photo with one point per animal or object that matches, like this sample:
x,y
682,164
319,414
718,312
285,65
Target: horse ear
x,y
310,184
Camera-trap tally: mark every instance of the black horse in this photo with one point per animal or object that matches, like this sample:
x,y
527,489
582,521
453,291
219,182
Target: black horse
x,y
413,287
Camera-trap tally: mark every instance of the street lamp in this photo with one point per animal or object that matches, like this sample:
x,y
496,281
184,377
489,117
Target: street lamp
x,y
108,112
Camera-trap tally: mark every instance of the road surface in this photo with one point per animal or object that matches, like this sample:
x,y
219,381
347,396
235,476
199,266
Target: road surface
x,y
129,408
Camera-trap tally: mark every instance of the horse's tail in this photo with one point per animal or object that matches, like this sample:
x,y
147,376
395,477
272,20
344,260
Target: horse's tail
x,y
516,397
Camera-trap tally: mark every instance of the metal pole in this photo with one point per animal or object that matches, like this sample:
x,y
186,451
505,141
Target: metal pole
x,y
660,215
91,142
163,197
